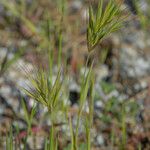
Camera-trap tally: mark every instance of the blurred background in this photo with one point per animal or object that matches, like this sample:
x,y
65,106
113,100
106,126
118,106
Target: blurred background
x,y
29,29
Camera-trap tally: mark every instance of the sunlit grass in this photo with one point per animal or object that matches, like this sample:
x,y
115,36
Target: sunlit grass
x,y
48,92
102,22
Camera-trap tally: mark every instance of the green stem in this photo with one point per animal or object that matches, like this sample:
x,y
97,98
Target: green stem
x,y
80,111
60,49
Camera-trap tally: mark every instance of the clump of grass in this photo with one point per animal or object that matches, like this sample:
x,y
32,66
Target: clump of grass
x,y
43,91
9,141
84,91
29,119
102,22
47,93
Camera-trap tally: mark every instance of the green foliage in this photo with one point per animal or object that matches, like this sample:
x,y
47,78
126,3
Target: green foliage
x,y
29,119
46,93
102,22
43,91
28,116
52,142
113,106
84,91
89,116
107,87
60,50
9,141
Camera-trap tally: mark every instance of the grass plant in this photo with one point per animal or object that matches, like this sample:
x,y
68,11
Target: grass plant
x,y
47,92
104,21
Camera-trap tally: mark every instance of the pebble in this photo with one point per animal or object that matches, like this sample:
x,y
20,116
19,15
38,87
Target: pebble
x,y
75,6
98,104
84,14
3,52
102,72
38,140
5,90
100,139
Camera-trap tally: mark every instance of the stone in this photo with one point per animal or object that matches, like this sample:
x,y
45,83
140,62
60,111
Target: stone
x,y
100,139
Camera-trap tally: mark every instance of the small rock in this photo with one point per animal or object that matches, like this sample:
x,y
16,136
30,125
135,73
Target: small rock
x,y
100,140
102,72
98,104
75,6
5,90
